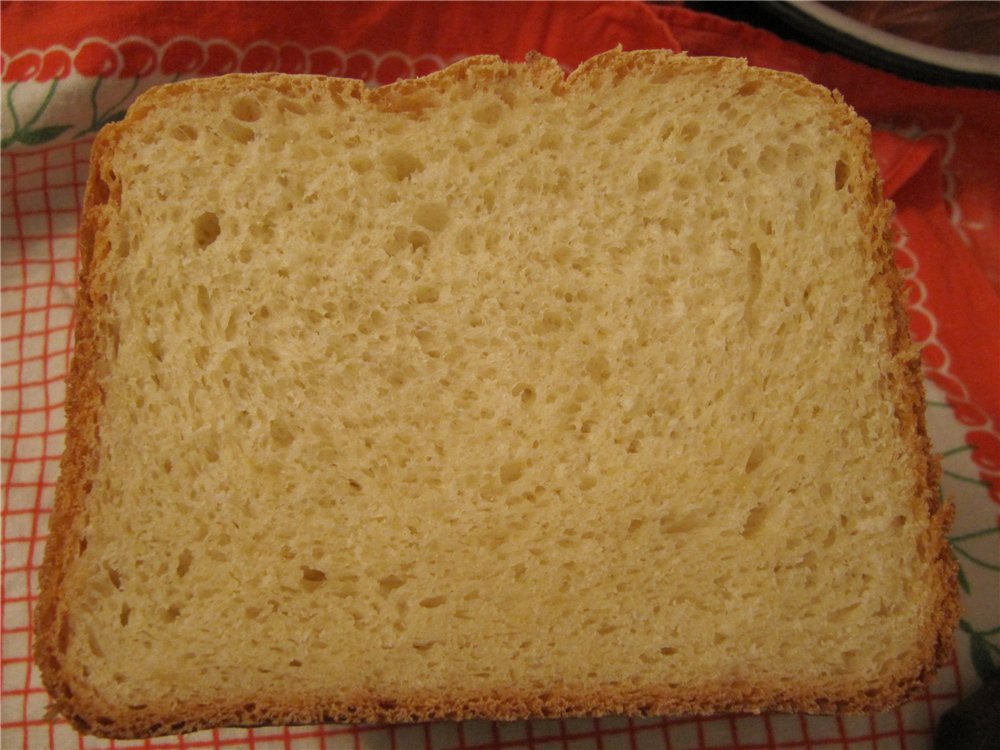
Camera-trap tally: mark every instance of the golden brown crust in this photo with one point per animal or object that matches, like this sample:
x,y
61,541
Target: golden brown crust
x,y
53,624
508,705
936,638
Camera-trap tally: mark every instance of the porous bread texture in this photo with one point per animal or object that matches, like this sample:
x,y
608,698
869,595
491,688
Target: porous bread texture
x,y
493,393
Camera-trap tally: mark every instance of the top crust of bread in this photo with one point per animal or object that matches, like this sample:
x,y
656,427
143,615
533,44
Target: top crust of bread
x,y
85,576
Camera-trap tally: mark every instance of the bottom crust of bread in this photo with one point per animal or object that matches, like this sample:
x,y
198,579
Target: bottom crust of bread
x,y
593,701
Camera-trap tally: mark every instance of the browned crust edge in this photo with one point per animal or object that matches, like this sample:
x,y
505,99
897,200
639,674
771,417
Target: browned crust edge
x,y
936,640
52,627
52,624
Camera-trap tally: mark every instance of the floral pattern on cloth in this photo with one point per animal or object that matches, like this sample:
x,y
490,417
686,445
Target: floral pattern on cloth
x,y
69,69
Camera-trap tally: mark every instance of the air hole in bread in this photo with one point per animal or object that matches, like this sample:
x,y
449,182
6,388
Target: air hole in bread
x,y
511,471
236,132
525,392
262,231
617,135
796,153
172,613
286,105
756,457
183,132
588,483
507,139
295,663
400,165
769,159
428,343
598,368
206,229
432,216
114,576
388,584
303,152
247,109
688,184
184,561
124,615
360,163
94,645
735,156
413,241
754,280
427,294
680,524
433,601
840,174
550,322
755,521
748,88
815,196
551,140
690,131
312,578
281,434
204,301
489,114
650,177
423,646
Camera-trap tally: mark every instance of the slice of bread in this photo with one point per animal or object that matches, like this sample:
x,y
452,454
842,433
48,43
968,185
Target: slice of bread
x,y
496,393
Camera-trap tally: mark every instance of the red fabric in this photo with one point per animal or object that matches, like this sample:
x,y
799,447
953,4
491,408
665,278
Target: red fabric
x,y
570,32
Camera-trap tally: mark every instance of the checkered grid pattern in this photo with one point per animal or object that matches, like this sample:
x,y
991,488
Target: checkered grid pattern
x,y
42,192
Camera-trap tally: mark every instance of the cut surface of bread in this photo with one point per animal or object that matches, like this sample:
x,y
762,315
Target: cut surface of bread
x,y
496,393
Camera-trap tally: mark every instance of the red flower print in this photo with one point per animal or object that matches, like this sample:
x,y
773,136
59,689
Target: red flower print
x,y
969,415
912,292
291,59
326,62
904,260
182,57
933,356
95,59
219,60
260,58
392,68
24,67
360,65
425,66
138,59
952,388
56,65
985,449
921,326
